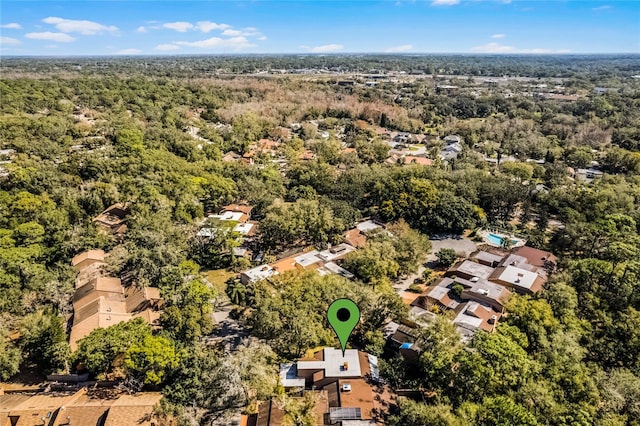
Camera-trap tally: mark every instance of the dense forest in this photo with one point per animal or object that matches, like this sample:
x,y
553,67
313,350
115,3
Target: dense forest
x,y
78,135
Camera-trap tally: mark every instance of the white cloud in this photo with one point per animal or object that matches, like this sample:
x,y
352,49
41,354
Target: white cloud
x,y
401,48
603,7
141,29
181,26
539,51
444,2
498,36
76,26
129,52
326,48
232,33
493,48
167,47
235,43
501,48
247,32
207,26
47,35
12,26
262,38
6,41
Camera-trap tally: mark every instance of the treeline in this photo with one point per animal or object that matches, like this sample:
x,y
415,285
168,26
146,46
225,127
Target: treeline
x,y
588,66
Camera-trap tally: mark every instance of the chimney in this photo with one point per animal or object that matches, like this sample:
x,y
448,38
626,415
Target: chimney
x,y
345,366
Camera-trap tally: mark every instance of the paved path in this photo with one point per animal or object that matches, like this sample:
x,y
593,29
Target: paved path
x,y
230,333
462,245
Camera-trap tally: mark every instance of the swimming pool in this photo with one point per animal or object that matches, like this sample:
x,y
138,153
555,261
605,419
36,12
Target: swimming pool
x,y
496,239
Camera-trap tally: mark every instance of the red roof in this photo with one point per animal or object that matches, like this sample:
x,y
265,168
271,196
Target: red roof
x,y
418,160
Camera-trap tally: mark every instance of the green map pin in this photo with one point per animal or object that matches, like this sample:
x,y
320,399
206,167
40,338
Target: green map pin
x,y
343,315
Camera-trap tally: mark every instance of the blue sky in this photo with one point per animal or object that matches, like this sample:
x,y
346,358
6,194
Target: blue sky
x,y
416,26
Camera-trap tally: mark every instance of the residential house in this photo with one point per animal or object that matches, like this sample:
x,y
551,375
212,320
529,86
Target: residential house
x,y
518,279
89,264
478,305
113,219
452,139
489,259
101,301
231,157
322,261
77,408
538,258
368,226
450,151
268,146
468,269
475,316
408,159
40,409
271,413
135,409
234,212
356,238
348,379
258,273
333,268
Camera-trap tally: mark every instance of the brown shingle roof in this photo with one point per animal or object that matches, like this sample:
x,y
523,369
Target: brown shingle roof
x,y
418,160
85,411
536,257
243,208
109,287
92,255
133,410
355,238
360,396
31,411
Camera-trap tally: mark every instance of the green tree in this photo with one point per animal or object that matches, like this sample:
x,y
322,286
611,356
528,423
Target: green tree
x,y
446,256
104,349
503,411
152,359
10,356
298,411
411,247
44,341
129,140
374,263
419,414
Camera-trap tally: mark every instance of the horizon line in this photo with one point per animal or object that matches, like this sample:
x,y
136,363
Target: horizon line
x,y
147,55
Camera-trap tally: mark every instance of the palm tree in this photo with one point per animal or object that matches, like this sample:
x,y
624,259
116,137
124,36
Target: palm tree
x,y
506,242
236,292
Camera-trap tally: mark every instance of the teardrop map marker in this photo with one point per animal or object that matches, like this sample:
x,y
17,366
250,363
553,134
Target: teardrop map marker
x,y
343,315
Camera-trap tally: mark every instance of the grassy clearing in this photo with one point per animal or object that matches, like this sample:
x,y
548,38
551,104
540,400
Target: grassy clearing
x,y
218,278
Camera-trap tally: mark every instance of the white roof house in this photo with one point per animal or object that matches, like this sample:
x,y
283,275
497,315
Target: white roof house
x,y
333,268
336,252
368,225
256,274
236,216
333,363
243,228
289,376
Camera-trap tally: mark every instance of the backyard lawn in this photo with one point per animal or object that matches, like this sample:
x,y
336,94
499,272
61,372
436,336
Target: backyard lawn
x,y
218,278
